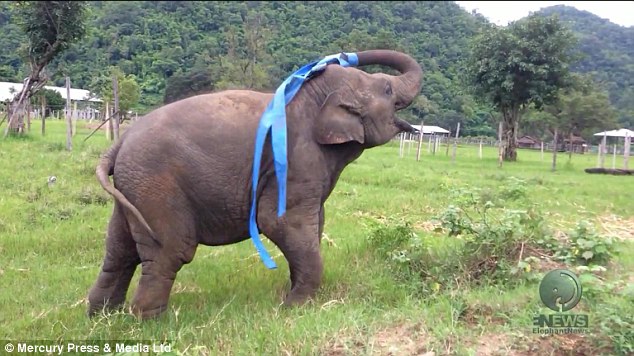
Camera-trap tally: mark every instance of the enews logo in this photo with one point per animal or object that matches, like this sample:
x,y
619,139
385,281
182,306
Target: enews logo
x,y
560,291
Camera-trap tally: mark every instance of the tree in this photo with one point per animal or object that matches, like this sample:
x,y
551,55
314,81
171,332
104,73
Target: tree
x,y
420,108
52,98
50,27
129,91
247,62
579,110
129,94
183,85
525,63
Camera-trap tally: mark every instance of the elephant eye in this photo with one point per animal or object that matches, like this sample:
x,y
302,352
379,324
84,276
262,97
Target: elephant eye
x,y
388,89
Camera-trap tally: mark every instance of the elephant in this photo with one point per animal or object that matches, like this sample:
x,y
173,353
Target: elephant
x,y
181,177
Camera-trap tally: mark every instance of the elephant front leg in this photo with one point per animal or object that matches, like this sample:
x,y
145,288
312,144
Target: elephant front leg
x,y
298,239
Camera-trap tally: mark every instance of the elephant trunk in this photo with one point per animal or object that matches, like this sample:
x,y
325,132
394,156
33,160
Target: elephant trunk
x,y
408,84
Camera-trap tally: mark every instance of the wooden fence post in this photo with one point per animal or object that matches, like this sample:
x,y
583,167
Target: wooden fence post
x,y
28,115
74,116
603,150
455,144
43,102
480,150
626,150
500,145
115,91
554,165
614,157
447,150
420,140
69,128
107,116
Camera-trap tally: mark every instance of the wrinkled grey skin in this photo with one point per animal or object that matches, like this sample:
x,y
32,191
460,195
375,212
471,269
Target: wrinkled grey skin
x,y
182,177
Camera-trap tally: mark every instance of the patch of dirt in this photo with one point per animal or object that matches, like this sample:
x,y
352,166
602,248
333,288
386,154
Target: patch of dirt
x,y
482,314
563,345
403,339
429,226
617,227
494,344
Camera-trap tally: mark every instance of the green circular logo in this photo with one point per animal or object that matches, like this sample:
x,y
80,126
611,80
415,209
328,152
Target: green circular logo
x,y
560,290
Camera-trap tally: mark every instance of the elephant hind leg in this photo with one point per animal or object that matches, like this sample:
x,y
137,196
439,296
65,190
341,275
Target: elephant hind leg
x,y
160,264
118,267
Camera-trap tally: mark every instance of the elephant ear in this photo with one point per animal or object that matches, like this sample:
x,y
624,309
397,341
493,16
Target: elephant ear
x,y
338,121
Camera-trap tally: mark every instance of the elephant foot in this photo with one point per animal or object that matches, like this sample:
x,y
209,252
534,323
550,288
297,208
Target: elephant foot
x,y
106,307
297,298
152,296
109,292
148,314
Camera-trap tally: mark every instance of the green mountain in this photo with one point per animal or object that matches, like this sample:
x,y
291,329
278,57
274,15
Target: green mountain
x,y
257,44
608,54
175,49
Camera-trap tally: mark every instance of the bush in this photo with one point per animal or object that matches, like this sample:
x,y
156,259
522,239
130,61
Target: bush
x,y
586,247
489,244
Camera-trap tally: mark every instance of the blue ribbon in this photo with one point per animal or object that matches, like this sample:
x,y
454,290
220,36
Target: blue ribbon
x,y
274,119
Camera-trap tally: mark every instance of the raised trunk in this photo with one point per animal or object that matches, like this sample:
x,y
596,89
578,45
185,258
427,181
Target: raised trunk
x,y
407,85
509,132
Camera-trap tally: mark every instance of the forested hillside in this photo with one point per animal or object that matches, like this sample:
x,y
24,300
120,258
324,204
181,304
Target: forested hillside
x,y
608,53
257,44
174,49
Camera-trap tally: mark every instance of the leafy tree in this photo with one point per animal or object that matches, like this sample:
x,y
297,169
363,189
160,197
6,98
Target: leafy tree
x,y
129,90
525,63
52,98
578,110
582,109
50,27
245,65
183,85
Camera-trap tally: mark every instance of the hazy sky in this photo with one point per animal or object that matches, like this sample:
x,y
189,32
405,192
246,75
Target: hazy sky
x,y
502,12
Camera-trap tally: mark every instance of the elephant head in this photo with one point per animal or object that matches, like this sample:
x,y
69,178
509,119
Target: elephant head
x,y
361,107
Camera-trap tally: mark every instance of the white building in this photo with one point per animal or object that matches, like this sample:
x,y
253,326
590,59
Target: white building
x,y
8,91
432,130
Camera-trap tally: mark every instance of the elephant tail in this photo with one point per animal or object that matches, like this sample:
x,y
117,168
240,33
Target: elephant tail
x,y
105,168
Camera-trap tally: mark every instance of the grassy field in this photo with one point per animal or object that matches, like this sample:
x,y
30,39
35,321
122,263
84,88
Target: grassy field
x,y
396,282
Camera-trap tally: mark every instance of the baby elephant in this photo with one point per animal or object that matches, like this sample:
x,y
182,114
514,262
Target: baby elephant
x,y
182,176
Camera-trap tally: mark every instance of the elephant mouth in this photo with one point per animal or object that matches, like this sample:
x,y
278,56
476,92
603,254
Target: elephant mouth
x,y
404,126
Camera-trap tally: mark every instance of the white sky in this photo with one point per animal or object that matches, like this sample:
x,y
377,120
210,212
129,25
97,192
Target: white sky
x,y
502,12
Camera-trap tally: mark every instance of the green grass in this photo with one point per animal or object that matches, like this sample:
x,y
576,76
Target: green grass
x,y
227,302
